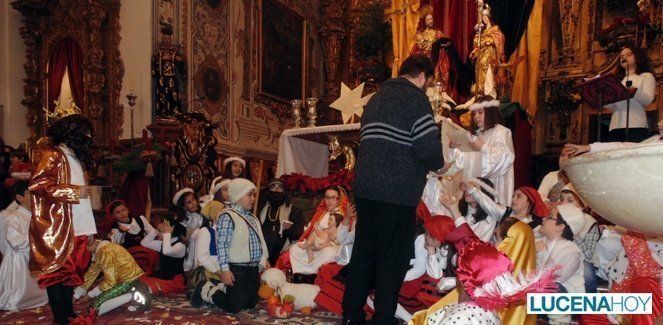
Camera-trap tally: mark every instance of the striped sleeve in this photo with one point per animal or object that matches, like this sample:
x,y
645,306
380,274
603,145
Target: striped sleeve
x,y
424,125
426,143
386,132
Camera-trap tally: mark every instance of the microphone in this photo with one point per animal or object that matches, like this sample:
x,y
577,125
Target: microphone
x,y
628,100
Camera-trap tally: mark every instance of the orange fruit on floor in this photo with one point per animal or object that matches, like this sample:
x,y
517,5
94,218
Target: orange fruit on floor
x,y
273,300
306,310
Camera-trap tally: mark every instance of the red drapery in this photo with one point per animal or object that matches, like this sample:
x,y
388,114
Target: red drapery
x,y
462,16
66,56
522,147
135,189
456,18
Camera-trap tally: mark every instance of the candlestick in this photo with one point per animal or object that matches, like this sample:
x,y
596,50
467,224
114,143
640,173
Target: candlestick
x,y
296,112
132,102
436,101
312,103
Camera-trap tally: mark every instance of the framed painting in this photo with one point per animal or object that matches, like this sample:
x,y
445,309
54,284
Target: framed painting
x,y
282,52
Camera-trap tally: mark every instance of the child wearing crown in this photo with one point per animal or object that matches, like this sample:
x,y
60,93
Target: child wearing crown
x,y
63,217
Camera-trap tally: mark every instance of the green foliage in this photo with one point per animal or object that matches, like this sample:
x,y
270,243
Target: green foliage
x,y
132,162
373,36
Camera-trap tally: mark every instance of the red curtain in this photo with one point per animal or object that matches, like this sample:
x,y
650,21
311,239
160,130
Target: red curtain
x,y
522,147
456,18
462,16
66,56
135,188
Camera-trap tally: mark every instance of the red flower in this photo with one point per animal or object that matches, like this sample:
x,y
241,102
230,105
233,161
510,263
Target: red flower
x,y
309,185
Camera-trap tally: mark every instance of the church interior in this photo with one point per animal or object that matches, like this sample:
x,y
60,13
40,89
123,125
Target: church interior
x,y
179,93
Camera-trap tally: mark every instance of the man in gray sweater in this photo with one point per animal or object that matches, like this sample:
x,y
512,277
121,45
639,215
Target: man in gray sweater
x,y
400,144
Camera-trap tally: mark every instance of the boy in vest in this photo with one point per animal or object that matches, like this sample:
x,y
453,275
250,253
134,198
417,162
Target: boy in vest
x,y
128,230
241,252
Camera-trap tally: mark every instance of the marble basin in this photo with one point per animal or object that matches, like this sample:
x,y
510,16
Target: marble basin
x,y
625,186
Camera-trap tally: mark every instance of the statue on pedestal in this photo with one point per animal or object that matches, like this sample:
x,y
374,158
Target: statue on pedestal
x,y
426,37
168,71
488,52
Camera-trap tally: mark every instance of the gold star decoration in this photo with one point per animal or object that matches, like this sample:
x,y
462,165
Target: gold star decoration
x,y
350,102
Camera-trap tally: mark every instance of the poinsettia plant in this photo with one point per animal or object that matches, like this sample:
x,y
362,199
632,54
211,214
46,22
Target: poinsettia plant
x,y
309,186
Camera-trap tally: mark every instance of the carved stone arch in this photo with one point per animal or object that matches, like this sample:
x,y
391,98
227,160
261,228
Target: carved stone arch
x,y
94,25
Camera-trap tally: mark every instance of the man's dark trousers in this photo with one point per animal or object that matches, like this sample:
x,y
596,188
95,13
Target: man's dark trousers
x,y
383,247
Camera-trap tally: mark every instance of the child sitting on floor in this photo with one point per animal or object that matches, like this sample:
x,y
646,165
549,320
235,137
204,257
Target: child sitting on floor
x,y
168,243
128,230
557,249
321,239
187,211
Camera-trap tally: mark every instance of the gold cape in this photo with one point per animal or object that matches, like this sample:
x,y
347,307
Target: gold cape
x,y
51,227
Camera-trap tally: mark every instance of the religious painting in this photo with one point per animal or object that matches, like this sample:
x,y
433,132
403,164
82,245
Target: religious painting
x,y
283,43
211,84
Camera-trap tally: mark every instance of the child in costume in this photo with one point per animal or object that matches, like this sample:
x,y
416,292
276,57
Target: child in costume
x,y
187,211
282,222
120,280
557,248
218,191
62,212
128,230
526,206
19,289
205,260
587,239
493,154
486,290
19,169
241,253
234,167
632,263
168,242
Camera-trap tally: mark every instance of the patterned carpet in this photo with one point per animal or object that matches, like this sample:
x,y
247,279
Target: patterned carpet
x,y
176,310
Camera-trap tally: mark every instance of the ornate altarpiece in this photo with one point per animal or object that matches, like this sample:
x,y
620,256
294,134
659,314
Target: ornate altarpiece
x,y
94,25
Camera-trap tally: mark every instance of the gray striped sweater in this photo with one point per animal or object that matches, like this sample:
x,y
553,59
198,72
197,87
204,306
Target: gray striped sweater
x,y
400,144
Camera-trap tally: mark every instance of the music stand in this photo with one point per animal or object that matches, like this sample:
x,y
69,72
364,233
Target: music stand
x,y
601,91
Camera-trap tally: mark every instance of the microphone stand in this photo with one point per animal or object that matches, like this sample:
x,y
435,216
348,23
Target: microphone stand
x,y
600,121
628,100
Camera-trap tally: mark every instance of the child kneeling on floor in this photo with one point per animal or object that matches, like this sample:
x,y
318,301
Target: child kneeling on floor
x,y
242,252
